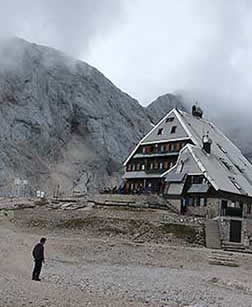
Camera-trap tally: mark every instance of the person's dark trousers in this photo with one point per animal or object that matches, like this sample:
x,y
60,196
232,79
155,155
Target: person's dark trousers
x,y
37,269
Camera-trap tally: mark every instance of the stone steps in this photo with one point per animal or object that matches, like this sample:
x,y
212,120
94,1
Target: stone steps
x,y
235,247
222,258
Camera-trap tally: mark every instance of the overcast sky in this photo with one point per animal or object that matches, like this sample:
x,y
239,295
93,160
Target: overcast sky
x,y
148,48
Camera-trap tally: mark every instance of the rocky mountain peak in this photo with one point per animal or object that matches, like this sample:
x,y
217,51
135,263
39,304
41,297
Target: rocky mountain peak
x,y
62,121
164,104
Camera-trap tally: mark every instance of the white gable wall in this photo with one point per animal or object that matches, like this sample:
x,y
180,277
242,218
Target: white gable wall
x,y
166,127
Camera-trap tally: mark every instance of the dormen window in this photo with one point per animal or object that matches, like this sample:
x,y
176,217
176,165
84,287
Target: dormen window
x,y
225,163
173,129
160,131
235,183
221,148
239,169
170,119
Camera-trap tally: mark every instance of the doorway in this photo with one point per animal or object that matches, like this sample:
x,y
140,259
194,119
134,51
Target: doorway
x,y
235,231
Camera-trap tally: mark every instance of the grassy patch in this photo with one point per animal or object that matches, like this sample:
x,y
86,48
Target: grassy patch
x,y
180,231
77,223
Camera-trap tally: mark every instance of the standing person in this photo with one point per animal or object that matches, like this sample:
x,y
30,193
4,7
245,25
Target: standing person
x,y
39,258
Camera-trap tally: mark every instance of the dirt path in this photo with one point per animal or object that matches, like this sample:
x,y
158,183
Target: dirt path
x,y
89,271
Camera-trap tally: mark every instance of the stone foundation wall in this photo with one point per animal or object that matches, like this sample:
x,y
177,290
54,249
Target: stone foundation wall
x,y
224,228
247,233
210,211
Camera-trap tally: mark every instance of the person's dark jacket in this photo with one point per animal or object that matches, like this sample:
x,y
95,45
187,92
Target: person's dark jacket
x,y
38,252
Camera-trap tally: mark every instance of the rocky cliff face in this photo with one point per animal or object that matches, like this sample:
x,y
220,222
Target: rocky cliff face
x,y
62,123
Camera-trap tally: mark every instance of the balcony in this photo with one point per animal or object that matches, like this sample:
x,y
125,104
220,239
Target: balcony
x,y
232,212
156,154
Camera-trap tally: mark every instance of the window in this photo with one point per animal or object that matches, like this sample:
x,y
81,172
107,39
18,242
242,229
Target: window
x,y
143,167
133,167
204,180
149,149
170,119
197,179
172,147
173,129
161,165
191,201
182,145
138,166
203,202
129,167
167,147
180,167
248,208
166,164
151,166
232,205
144,150
198,201
171,164
162,148
160,131
156,165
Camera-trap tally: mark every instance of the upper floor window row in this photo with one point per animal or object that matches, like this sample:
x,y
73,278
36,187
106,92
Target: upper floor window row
x,y
168,147
161,130
169,119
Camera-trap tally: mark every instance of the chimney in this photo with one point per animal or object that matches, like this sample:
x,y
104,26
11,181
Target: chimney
x,y
196,111
207,143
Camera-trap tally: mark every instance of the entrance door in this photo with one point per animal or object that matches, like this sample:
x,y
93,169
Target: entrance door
x,y
235,231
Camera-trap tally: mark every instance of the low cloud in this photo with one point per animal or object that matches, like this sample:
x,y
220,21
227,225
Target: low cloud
x,y
66,25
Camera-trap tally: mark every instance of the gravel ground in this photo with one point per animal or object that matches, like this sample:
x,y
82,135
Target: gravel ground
x,y
84,270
